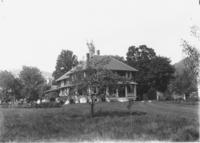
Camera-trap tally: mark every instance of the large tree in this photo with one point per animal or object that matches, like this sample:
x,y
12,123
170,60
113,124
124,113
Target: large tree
x,y
160,72
140,58
10,86
141,53
65,61
33,83
154,71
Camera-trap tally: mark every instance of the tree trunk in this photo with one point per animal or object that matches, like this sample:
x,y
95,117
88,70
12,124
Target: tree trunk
x,y
92,106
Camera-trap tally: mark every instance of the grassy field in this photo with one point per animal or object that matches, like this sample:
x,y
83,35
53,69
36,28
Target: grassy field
x,y
147,121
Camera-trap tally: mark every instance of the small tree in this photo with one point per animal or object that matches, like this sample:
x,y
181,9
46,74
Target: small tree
x,y
97,78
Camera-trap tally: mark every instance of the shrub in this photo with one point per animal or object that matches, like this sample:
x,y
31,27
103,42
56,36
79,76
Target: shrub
x,y
46,105
52,96
145,97
71,101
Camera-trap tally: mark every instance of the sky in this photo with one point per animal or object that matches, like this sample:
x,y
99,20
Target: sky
x,y
33,32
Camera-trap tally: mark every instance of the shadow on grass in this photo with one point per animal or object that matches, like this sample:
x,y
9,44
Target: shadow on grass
x,y
118,113
111,114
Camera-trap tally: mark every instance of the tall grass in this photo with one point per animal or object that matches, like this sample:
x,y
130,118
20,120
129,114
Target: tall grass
x,y
73,123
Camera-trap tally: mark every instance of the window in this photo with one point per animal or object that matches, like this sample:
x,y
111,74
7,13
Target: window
x,y
121,73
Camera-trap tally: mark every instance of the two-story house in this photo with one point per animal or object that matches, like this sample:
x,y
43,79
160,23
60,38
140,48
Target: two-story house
x,y
125,91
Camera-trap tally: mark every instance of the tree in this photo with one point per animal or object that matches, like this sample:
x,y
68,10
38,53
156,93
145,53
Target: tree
x,y
65,61
192,62
186,81
182,84
33,83
141,53
154,71
119,58
139,58
97,79
160,73
10,85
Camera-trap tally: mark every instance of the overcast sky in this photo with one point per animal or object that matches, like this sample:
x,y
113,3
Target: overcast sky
x,y
33,32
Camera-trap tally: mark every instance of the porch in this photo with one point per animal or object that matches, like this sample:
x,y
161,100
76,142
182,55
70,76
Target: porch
x,y
123,93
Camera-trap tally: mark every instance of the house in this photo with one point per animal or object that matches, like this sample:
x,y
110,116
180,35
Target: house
x,y
126,91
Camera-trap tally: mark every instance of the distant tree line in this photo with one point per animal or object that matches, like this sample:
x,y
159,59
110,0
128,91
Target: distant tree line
x,y
155,73
29,86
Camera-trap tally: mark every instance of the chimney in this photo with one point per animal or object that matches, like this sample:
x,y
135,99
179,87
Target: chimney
x,y
98,52
88,57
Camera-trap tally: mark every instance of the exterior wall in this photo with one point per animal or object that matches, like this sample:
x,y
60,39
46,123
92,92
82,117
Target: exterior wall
x,y
127,74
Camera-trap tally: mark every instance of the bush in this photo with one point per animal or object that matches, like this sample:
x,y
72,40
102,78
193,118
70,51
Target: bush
x,y
151,94
71,101
145,97
52,96
46,105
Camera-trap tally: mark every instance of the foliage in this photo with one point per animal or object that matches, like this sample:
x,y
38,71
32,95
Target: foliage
x,y
91,48
11,86
182,84
154,72
97,79
186,82
160,73
192,61
195,31
139,58
119,58
141,53
52,96
33,83
46,105
65,61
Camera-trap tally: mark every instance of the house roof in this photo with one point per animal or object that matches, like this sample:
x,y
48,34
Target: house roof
x,y
114,64
110,63
65,76
80,66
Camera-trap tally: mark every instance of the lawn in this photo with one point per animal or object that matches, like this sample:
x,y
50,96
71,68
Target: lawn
x,y
113,121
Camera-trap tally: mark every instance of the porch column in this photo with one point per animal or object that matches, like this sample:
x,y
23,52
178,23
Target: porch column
x,y
117,92
135,90
89,91
107,91
126,74
126,94
97,90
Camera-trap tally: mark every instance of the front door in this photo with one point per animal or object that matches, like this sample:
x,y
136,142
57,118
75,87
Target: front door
x,y
121,91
